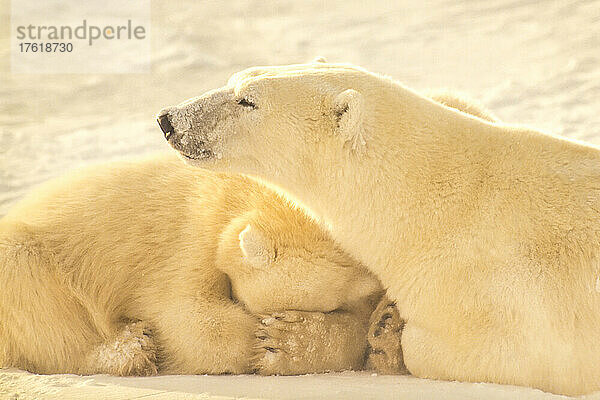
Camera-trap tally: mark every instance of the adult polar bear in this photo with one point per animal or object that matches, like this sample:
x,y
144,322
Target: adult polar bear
x,y
485,234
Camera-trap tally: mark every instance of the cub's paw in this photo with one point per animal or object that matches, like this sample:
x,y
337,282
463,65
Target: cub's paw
x,y
287,342
131,352
384,353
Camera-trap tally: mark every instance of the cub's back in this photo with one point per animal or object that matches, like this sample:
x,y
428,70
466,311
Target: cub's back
x,y
112,219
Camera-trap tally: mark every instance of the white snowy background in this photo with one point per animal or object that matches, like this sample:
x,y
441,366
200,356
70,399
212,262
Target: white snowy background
x,y
530,62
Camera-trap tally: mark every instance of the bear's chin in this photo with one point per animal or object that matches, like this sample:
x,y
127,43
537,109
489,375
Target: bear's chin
x,y
202,154
201,157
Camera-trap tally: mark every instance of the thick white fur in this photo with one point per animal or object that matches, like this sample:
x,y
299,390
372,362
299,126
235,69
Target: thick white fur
x,y
462,103
131,267
485,234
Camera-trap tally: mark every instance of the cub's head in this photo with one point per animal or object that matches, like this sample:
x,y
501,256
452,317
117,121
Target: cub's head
x,y
270,271
271,120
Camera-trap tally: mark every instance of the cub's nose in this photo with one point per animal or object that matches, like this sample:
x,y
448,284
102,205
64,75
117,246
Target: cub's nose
x,y
165,124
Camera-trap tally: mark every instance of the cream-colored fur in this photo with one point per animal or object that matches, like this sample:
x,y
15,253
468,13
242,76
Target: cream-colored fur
x,y
384,352
461,102
132,268
485,234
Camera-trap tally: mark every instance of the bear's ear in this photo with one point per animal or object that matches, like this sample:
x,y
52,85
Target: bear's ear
x,y
256,247
348,107
319,59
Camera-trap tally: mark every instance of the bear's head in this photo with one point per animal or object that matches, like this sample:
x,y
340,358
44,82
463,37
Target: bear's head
x,y
298,268
269,120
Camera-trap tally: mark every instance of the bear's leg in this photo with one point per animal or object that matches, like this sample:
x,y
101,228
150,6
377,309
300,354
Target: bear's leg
x,y
384,353
45,327
300,342
448,354
202,336
469,352
130,352
508,357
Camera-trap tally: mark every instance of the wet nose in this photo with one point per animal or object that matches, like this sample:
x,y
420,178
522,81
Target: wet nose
x,y
165,124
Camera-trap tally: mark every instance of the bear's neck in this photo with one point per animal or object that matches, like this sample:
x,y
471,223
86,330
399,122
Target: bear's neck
x,y
401,196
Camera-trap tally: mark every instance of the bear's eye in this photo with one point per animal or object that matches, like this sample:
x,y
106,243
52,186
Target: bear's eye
x,y
246,103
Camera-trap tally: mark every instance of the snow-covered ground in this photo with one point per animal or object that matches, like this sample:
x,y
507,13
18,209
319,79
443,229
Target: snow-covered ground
x,y
347,386
532,62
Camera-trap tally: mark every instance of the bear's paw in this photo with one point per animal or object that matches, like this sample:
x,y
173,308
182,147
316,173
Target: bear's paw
x,y
384,352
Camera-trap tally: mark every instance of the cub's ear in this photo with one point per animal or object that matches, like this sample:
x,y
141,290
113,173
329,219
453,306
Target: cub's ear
x,y
319,59
348,107
256,247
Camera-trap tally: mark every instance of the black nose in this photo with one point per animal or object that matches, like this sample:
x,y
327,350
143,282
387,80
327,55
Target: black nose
x,y
165,125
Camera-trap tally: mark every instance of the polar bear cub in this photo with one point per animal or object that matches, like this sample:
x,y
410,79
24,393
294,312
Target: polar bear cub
x,y
484,234
150,266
